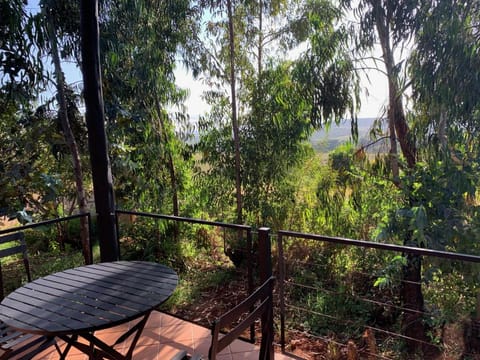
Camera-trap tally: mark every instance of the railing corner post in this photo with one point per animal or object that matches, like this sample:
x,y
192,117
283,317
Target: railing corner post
x,y
265,267
264,253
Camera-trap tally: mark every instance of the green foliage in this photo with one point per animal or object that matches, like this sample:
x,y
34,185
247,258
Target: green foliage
x,y
47,263
444,69
391,274
353,195
193,284
328,286
325,72
20,62
400,15
37,172
150,160
445,64
354,314
273,145
279,101
163,241
144,240
450,296
302,213
65,17
436,217
26,160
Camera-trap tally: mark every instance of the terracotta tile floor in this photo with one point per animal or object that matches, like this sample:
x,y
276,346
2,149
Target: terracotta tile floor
x,y
163,337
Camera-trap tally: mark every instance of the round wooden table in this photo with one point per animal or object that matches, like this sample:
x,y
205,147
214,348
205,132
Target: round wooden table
x,y
77,302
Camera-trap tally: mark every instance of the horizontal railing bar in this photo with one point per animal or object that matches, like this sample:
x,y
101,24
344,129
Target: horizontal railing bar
x,y
185,219
43,223
382,246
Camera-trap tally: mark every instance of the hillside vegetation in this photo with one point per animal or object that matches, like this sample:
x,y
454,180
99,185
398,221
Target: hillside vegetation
x,y
263,156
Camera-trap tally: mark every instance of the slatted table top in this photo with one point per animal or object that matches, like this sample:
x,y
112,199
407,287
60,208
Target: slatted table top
x,y
88,298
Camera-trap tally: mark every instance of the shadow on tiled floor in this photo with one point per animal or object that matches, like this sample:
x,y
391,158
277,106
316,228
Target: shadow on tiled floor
x,y
163,337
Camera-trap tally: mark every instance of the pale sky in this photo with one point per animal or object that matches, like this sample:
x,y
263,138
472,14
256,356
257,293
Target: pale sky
x,y
374,103
371,104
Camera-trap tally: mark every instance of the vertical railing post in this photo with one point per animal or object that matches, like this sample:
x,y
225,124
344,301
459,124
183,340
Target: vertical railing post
x,y
117,229
250,275
264,254
250,261
90,235
265,267
281,289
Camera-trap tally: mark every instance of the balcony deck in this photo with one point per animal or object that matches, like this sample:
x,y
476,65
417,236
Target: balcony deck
x,y
164,336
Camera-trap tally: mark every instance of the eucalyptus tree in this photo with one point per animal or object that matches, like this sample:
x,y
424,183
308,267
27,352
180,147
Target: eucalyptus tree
x,y
21,75
271,29
140,43
233,31
54,14
20,63
28,151
390,23
441,35
291,99
265,32
233,96
222,62
274,144
445,68
20,179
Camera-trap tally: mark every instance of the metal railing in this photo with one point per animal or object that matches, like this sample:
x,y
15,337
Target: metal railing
x,y
313,245
51,222
316,286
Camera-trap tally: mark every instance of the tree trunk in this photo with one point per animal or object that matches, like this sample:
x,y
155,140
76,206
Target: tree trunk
x,y
97,137
412,300
236,135
411,291
70,140
260,37
396,114
393,152
170,163
442,130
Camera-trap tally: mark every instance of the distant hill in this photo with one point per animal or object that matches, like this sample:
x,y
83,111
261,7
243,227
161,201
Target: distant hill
x,y
327,140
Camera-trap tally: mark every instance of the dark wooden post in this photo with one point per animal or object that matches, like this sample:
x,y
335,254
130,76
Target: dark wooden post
x,y
265,267
97,139
264,254
281,288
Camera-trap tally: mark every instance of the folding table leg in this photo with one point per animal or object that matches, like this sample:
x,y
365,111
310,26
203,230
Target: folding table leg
x,y
139,329
69,341
97,349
